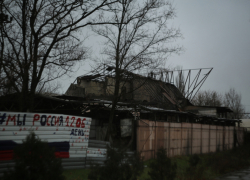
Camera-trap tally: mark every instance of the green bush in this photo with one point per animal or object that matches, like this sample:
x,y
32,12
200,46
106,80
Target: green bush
x,y
231,160
118,166
161,167
196,169
35,160
194,160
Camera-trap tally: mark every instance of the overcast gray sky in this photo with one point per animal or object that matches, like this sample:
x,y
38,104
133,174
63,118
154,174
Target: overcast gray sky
x,y
216,34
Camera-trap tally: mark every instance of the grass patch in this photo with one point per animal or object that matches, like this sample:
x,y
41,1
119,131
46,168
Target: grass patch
x,y
76,174
212,165
208,167
185,171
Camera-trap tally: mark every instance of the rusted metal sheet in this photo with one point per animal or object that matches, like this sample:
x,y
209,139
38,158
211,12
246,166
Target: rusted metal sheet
x,y
69,135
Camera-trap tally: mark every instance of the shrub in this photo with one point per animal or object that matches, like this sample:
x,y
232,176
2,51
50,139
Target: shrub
x,y
234,159
162,168
35,160
195,170
194,160
118,166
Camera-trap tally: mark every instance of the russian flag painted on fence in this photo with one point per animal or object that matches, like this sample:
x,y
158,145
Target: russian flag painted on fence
x,y
68,135
7,149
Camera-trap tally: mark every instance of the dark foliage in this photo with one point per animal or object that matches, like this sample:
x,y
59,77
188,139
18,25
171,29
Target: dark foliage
x,y
118,166
247,138
195,169
194,160
35,160
231,160
162,168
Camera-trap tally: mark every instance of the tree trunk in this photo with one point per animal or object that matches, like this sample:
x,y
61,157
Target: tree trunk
x,y
114,102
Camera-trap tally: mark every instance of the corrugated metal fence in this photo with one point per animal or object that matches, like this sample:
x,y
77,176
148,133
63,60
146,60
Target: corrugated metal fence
x,y
185,138
68,135
95,154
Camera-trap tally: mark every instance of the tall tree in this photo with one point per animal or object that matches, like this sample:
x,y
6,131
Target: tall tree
x,y
42,42
233,100
139,39
208,98
230,99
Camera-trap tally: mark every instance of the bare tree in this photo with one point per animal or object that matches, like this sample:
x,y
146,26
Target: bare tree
x,y
233,100
208,98
4,18
42,43
139,39
50,88
230,99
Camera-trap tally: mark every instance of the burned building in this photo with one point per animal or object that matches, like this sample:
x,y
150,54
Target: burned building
x,y
146,103
134,88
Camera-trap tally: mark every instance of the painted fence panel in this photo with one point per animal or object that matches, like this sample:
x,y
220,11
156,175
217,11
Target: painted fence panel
x,y
175,139
196,139
69,135
145,134
96,152
240,135
231,136
228,134
213,138
160,135
219,138
184,138
205,138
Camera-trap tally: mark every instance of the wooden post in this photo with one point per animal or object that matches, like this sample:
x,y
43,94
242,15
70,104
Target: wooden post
x,y
169,138
224,138
201,141
181,140
209,149
216,136
191,138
